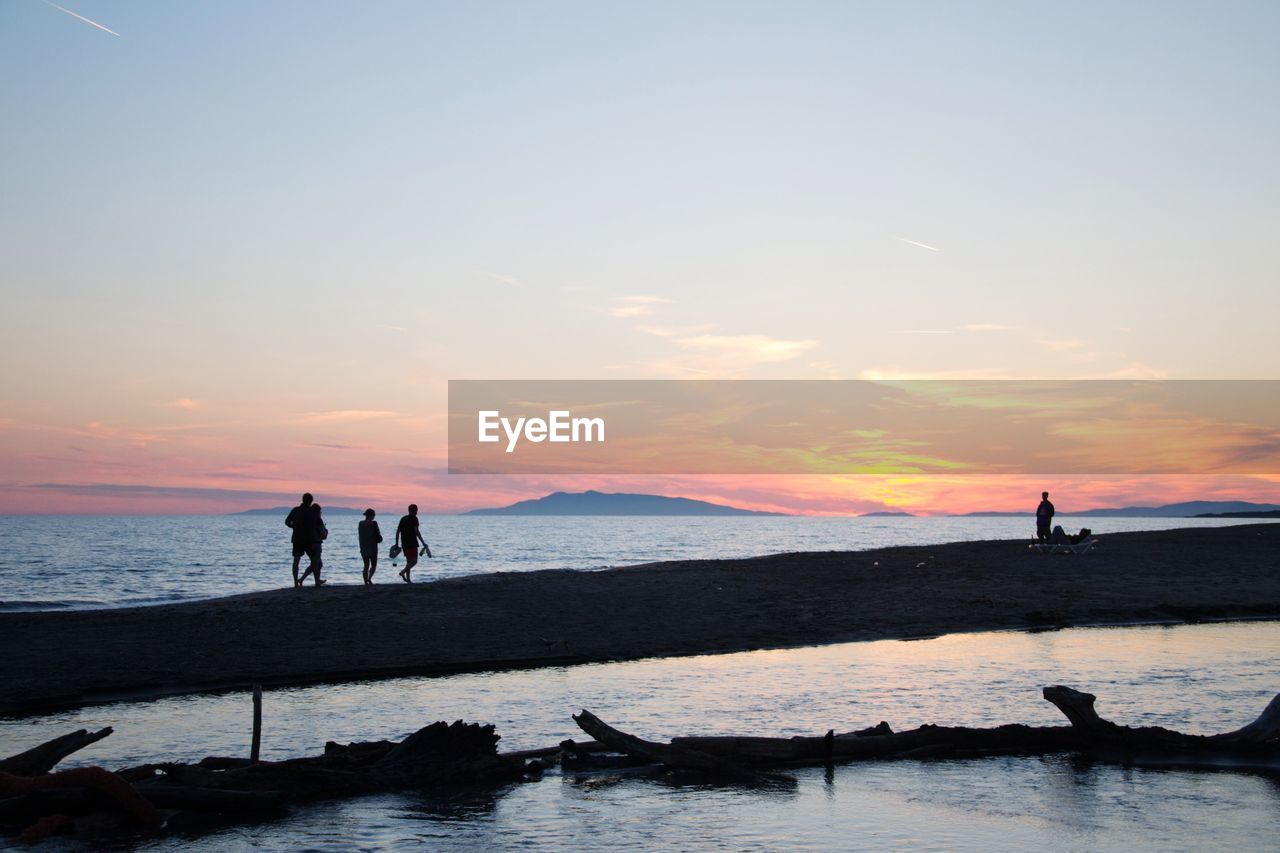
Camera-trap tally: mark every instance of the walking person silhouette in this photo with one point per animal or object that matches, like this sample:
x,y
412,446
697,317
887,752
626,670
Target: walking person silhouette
x,y
408,535
319,533
370,536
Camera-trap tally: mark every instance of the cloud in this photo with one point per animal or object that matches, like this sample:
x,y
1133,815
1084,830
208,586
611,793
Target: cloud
x,y
346,415
970,327
184,403
895,374
921,245
746,350
1136,370
629,311
675,331
133,490
1063,344
500,278
233,498
635,306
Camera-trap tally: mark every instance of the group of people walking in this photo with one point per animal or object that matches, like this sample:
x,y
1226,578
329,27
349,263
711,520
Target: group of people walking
x,y
310,532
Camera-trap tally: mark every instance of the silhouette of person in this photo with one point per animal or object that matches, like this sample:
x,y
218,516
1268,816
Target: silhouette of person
x,y
370,536
1044,518
301,520
319,533
408,535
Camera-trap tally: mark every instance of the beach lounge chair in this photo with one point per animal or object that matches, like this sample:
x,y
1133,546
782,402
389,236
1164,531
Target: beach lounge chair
x,y
1082,547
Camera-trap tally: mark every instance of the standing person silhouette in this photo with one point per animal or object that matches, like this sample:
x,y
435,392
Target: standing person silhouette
x,y
1044,518
304,521
319,533
408,535
370,536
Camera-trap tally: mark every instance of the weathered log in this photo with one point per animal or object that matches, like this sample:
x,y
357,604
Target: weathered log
x,y
41,759
104,782
212,793
959,741
27,808
1265,729
551,751
671,755
1256,744
183,798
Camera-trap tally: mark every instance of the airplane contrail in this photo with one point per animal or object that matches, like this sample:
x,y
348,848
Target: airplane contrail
x,y
82,18
903,239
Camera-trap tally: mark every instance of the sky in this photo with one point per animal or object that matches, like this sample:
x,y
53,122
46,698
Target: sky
x,y
244,246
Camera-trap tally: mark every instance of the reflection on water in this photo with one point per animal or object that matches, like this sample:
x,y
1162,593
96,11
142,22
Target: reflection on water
x,y
1207,678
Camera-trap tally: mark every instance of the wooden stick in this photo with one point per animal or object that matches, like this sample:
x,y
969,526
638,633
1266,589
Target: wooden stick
x,y
256,746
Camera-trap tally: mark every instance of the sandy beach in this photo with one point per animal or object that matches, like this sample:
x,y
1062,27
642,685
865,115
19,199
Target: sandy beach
x,y
309,635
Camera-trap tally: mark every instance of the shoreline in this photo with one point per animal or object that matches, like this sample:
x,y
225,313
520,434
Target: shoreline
x,y
56,660
110,697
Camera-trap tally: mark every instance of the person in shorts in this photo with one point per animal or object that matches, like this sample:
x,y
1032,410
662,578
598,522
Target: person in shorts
x,y
303,521
408,535
319,533
370,536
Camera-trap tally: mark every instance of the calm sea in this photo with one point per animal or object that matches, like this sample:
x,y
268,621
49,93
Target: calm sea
x,y
1203,678
109,561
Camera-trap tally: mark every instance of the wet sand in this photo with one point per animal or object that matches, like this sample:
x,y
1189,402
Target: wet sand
x,y
343,632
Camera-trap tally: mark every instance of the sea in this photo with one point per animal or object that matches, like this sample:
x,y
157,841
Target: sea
x,y
80,562
1204,678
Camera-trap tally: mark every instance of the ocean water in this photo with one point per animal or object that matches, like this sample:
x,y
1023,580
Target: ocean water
x,y
109,561
1202,678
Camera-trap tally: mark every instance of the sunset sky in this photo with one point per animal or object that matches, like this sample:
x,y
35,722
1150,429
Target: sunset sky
x,y
244,246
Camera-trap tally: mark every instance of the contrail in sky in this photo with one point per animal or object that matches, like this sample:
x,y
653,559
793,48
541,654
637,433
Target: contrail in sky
x,y
83,18
903,239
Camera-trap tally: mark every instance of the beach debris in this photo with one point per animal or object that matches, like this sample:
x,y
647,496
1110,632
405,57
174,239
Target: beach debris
x,y
255,744
37,802
1256,745
669,755
169,798
41,759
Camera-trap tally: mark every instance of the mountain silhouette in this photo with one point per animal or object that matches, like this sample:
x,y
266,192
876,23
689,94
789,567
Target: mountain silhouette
x,y
606,503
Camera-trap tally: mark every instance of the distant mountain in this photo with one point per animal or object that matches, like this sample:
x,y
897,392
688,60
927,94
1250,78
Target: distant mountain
x,y
1269,513
1186,509
992,514
604,503
284,510
887,514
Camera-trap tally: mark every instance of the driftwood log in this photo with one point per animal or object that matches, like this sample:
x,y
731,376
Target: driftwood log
x,y
37,802
187,798
1256,745
43,758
